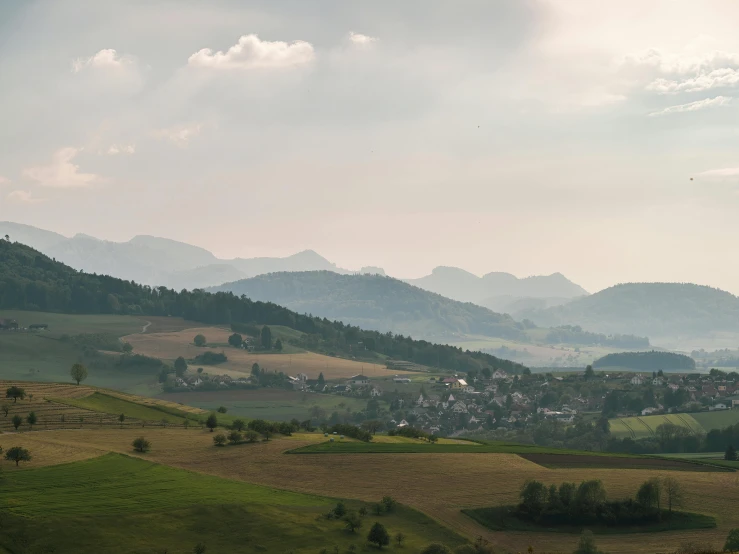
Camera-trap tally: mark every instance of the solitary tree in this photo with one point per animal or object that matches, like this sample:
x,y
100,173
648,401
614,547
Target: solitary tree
x,y
141,445
378,535
180,366
587,544
673,492
255,370
732,541
219,439
78,372
649,494
199,548
278,345
122,418
388,502
222,409
399,538
236,340
200,340
31,419
6,409
212,422
17,420
730,453
18,454
15,393
266,338
353,521
200,370
589,373
238,425
321,380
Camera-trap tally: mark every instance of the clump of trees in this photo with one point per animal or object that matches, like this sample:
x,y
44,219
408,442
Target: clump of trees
x,y
413,433
211,358
587,503
349,431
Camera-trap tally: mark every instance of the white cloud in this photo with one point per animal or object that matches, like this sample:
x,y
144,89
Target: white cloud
x,y
61,172
116,149
695,106
4,181
682,64
253,53
727,173
24,197
104,59
360,39
724,77
179,135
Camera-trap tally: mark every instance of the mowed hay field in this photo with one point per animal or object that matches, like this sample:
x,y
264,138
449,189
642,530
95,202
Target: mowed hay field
x,y
438,484
168,346
646,426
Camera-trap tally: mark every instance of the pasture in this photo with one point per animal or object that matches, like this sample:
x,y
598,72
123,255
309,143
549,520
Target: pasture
x,y
642,427
119,504
168,346
439,484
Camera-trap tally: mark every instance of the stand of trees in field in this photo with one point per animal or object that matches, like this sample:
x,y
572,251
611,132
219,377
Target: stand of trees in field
x,y
647,361
31,281
574,334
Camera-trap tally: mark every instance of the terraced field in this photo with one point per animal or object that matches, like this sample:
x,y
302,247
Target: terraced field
x,y
438,484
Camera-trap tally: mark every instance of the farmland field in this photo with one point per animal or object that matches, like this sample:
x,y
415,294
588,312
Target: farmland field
x,y
718,419
168,346
148,507
457,480
645,426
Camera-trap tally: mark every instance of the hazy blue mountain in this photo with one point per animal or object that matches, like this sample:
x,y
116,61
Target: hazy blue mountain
x,y
497,290
659,310
157,261
376,302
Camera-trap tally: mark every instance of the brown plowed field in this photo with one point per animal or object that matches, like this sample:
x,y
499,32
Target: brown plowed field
x,y
565,461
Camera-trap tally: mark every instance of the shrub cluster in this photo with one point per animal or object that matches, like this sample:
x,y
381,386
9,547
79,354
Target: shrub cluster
x,y
413,433
349,431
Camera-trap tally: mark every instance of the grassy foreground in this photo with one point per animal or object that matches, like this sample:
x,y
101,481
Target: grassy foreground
x,y
118,504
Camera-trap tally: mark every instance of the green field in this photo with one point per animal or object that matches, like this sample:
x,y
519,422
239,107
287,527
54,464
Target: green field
x,y
100,402
117,504
718,419
643,427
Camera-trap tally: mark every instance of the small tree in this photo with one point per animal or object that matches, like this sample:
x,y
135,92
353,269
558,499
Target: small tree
x,y
212,422
266,338
127,348
673,492
15,393
222,410
340,510
278,345
589,373
730,453
234,437
648,494
378,535
180,366
399,538
587,544
199,548
78,373
219,439
200,340
353,521
251,436
236,340
6,409
141,445
388,503
321,380
732,541
200,371
17,420
122,418
238,424
31,419
18,454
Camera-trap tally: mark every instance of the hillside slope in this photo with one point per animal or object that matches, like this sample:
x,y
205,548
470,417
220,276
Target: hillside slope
x,y
653,309
376,302
498,291
31,281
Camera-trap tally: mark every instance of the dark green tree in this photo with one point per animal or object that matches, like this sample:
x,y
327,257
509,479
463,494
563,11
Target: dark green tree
x,y
278,345
78,373
730,453
121,419
222,409
17,420
587,544
15,393
353,521
589,373
199,548
378,535
212,422
266,338
180,366
31,419
238,424
141,445
200,340
236,340
321,380
127,348
732,541
219,439
18,454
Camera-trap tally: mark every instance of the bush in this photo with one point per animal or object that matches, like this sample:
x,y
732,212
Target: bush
x,y
211,358
350,431
251,436
732,541
141,445
234,437
219,439
222,410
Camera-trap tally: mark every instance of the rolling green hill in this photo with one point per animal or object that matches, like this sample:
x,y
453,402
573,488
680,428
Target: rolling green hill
x,y
376,302
31,281
651,309
643,427
646,361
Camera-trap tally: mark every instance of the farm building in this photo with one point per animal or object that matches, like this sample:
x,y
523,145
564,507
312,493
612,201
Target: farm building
x,y
358,381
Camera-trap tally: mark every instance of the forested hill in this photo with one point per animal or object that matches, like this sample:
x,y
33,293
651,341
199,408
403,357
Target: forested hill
x,y
377,302
652,309
31,281
646,361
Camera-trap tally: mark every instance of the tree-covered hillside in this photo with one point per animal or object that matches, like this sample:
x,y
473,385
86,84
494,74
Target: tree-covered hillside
x,y
31,281
646,361
652,309
377,302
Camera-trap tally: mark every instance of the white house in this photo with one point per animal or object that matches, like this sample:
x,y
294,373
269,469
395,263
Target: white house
x,y
637,380
401,380
375,392
719,406
358,381
499,374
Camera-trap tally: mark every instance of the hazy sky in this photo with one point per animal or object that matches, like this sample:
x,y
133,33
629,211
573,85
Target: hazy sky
x,y
526,136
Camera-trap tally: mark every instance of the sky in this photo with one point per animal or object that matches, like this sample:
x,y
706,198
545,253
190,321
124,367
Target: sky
x,y
595,139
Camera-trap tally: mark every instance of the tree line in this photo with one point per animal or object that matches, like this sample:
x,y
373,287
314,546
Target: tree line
x,y
31,281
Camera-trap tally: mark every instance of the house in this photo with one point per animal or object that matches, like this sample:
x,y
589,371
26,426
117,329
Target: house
x,y
719,406
403,423
297,383
657,381
454,383
474,420
404,380
459,408
375,392
673,387
358,381
499,374
637,380
8,324
647,411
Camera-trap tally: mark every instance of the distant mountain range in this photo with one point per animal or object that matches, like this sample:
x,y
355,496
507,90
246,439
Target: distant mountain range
x,y
156,261
499,291
675,312
376,302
